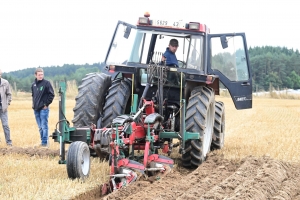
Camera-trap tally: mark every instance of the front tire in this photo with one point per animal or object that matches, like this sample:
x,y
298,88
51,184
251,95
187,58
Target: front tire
x,y
199,118
219,126
116,100
90,99
78,160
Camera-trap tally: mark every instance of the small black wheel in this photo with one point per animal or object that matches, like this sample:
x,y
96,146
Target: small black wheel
x,y
78,160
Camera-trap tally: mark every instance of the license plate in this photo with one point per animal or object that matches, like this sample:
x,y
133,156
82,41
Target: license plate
x,y
168,23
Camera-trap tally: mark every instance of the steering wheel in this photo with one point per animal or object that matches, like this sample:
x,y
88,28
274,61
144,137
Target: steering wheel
x,y
181,64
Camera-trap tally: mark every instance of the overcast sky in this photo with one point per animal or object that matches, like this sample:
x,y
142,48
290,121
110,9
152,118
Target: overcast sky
x,y
43,33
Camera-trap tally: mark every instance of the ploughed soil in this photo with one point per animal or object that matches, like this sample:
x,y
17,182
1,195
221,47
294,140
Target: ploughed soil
x,y
30,151
216,178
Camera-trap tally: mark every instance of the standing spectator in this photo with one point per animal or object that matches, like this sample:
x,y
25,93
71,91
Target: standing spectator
x,y
42,97
5,99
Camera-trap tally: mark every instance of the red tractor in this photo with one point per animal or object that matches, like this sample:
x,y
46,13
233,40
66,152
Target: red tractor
x,y
139,102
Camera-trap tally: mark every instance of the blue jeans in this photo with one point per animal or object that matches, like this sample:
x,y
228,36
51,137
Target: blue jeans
x,y
41,117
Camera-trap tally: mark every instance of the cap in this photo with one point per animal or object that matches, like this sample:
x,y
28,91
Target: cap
x,y
174,42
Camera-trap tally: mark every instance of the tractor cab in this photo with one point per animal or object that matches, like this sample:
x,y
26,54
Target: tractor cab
x,y
199,54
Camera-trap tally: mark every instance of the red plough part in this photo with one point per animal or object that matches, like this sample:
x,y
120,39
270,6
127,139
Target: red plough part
x,y
123,169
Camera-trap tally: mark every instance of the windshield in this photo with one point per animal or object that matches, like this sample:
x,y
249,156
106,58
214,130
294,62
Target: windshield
x,y
144,47
195,59
120,48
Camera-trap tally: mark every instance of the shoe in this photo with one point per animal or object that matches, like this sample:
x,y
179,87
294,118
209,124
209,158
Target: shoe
x,y
10,145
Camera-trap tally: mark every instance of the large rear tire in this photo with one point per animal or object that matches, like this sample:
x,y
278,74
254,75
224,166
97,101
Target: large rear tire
x,y
90,99
116,100
199,118
219,126
78,160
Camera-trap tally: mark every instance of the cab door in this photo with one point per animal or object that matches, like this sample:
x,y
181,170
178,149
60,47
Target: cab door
x,y
228,58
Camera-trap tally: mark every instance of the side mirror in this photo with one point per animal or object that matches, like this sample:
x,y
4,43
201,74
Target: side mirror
x,y
224,41
127,32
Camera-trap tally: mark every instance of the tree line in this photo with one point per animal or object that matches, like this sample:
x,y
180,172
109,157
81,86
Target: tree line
x,y
278,67
21,80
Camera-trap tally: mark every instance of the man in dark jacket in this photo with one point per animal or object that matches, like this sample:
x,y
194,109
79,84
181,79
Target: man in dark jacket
x,y
169,56
42,97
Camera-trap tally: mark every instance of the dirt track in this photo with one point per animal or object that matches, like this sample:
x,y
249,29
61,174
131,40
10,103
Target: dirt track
x,y
218,178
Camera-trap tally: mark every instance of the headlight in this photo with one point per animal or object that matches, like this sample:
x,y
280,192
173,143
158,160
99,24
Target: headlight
x,y
144,20
194,26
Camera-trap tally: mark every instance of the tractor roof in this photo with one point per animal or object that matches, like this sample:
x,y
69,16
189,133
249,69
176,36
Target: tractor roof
x,y
176,26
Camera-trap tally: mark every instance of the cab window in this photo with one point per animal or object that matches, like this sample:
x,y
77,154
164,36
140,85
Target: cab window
x,y
230,61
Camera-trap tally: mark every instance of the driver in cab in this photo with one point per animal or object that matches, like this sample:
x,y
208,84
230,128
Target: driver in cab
x,y
169,56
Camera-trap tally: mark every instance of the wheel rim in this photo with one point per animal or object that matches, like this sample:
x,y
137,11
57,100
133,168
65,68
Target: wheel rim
x,y
208,130
85,162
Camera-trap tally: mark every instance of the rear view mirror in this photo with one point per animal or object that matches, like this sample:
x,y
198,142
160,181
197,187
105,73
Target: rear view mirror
x,y
127,32
224,41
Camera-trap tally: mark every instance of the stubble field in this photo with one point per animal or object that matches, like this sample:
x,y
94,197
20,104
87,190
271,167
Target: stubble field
x,y
260,160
